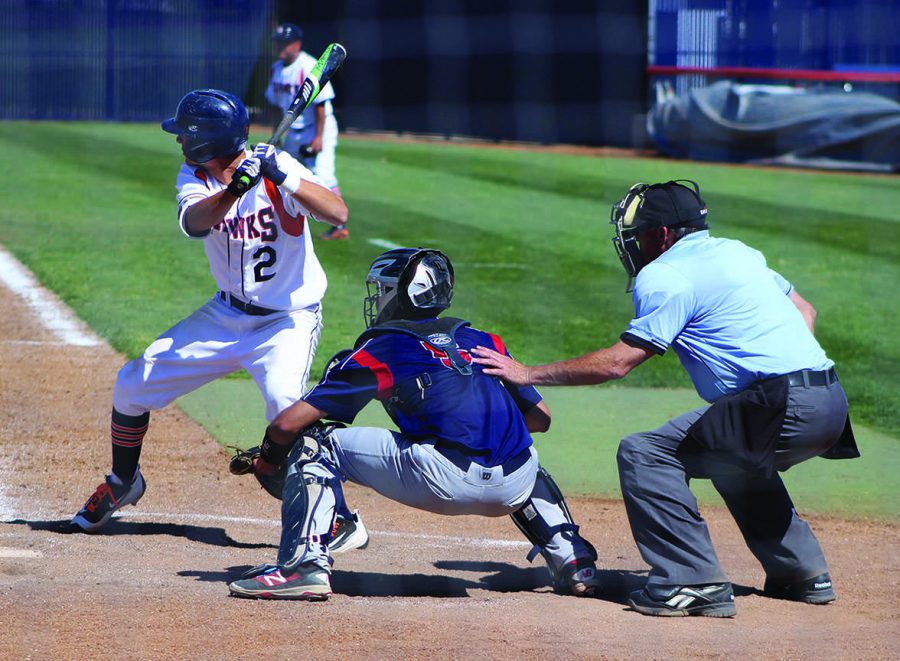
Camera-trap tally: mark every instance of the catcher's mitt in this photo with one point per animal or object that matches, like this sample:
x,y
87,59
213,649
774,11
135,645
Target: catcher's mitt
x,y
242,463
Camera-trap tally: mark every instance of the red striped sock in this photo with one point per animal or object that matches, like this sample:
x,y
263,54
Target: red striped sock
x,y
127,432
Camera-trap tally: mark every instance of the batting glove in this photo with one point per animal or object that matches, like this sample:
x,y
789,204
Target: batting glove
x,y
270,169
245,177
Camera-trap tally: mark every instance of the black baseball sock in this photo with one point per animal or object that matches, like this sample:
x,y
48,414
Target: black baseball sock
x,y
127,433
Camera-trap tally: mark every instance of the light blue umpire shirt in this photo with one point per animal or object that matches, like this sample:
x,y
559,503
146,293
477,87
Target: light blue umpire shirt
x,y
726,313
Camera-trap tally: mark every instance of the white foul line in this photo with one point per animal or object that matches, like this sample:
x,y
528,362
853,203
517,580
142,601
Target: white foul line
x,y
384,243
274,523
35,343
6,552
54,316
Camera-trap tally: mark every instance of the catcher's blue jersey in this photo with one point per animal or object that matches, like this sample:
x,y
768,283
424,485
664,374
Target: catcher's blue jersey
x,y
427,397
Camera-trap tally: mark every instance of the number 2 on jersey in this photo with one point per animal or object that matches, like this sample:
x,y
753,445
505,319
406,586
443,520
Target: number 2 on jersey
x,y
266,262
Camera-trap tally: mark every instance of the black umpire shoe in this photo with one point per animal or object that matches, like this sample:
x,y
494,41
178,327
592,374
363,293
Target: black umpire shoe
x,y
707,600
816,590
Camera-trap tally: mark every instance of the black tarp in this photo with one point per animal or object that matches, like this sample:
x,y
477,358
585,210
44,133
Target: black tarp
x,y
780,125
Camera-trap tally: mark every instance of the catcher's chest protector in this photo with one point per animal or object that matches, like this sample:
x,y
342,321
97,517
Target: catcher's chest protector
x,y
439,334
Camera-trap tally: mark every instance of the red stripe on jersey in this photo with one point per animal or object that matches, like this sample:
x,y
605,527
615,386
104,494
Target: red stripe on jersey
x,y
293,225
499,347
382,372
200,173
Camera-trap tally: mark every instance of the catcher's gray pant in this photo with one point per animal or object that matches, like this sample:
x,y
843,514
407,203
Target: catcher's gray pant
x,y
415,474
667,526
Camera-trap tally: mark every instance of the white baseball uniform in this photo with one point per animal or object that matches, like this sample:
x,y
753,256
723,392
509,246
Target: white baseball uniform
x,y
266,316
283,87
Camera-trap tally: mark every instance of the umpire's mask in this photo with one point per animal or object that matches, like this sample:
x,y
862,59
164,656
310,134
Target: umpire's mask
x,y
648,206
408,283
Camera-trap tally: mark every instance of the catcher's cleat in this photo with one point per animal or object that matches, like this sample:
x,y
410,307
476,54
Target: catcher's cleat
x,y
107,498
816,590
348,534
335,234
579,578
707,600
306,583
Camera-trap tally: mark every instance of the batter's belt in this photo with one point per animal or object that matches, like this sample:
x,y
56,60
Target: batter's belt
x,y
244,306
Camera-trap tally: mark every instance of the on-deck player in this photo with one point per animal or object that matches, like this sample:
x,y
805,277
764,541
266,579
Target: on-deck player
x,y
250,210
313,137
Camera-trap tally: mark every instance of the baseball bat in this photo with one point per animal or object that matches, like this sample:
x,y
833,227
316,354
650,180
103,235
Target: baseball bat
x,y
325,67
321,73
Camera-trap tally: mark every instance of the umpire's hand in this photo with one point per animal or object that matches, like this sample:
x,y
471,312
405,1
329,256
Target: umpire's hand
x,y
498,364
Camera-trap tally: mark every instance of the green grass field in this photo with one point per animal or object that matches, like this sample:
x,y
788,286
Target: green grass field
x,y
92,213
580,448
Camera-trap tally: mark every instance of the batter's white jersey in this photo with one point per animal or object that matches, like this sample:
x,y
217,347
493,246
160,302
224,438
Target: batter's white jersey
x,y
286,82
262,252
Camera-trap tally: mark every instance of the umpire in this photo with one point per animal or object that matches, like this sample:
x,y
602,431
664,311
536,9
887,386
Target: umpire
x,y
745,336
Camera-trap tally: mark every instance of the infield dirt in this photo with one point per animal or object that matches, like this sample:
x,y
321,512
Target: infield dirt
x,y
153,585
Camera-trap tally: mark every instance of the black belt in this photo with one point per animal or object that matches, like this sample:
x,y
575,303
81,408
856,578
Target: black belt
x,y
247,308
811,378
463,462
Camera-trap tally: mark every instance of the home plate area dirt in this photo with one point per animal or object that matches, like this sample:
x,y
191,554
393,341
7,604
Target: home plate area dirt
x,y
153,584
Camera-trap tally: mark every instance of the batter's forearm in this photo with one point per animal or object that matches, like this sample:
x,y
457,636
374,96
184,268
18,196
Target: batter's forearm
x,y
322,203
207,213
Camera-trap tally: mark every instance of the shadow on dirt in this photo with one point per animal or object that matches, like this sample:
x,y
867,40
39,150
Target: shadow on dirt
x,y
616,584
201,534
502,578
496,576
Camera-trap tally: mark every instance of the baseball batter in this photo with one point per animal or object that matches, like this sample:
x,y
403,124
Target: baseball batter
x,y
250,211
745,336
313,137
463,447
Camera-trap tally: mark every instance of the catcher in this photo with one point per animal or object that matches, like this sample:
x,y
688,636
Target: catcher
x,y
463,447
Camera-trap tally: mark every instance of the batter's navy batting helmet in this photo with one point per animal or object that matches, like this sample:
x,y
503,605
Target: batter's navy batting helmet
x,y
211,123
408,283
287,32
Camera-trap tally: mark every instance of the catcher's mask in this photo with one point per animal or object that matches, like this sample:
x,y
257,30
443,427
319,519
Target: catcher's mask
x,y
408,283
648,206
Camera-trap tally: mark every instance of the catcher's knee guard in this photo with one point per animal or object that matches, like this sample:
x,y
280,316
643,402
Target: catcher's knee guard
x,y
546,515
312,489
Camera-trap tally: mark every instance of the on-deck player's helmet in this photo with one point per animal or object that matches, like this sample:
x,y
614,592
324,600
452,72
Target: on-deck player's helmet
x,y
648,206
287,33
408,283
211,123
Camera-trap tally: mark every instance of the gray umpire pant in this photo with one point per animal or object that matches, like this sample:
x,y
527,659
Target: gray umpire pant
x,y
670,533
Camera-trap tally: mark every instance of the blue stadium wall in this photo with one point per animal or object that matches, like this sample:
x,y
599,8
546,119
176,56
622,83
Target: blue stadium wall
x,y
845,36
